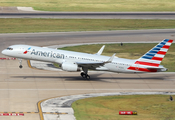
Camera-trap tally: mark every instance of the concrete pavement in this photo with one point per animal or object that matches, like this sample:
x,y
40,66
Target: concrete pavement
x,y
21,89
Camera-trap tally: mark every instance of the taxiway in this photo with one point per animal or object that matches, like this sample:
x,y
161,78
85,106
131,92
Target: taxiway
x,y
28,12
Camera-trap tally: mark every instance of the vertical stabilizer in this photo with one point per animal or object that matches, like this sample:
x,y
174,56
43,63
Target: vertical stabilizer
x,y
155,56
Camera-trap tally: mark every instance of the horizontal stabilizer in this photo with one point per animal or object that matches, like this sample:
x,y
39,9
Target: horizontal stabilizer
x,y
157,69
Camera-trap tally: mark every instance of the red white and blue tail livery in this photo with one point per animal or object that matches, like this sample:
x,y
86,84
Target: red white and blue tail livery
x,y
151,60
76,61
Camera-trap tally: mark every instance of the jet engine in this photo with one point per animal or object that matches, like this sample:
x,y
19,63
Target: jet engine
x,y
70,67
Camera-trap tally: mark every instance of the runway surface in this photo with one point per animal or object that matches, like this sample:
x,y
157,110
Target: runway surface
x,y
88,15
28,12
57,38
21,89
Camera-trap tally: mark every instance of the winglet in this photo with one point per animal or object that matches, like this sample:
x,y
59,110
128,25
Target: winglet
x,y
101,50
111,58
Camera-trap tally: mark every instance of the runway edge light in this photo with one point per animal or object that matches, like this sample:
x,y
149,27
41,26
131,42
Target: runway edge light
x,y
127,112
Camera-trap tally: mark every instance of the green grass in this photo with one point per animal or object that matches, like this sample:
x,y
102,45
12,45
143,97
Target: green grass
x,y
94,5
148,107
129,51
59,25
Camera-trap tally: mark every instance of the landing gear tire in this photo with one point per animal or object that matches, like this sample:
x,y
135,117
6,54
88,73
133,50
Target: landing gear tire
x,y
82,74
86,76
20,66
20,63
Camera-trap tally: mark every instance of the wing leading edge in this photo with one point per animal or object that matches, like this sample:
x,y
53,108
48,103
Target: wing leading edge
x,y
94,64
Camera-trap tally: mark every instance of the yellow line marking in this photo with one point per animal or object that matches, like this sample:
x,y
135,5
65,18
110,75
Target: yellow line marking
x,y
30,66
39,106
28,62
40,109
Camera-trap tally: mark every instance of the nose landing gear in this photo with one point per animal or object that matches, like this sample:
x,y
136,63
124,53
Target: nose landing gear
x,y
20,62
20,66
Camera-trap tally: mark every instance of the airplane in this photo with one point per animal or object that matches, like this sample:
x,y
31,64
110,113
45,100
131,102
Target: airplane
x,y
77,61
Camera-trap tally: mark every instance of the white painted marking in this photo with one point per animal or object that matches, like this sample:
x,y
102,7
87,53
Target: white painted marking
x,y
25,8
86,89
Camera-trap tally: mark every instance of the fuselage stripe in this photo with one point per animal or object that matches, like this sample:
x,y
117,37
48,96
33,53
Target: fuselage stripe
x,y
147,63
142,69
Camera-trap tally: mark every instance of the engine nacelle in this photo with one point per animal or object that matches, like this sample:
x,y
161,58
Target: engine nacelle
x,y
71,67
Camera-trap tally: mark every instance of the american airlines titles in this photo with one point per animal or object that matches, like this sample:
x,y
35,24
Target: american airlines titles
x,y
47,54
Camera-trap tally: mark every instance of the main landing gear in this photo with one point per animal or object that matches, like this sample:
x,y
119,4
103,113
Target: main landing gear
x,y
20,62
84,74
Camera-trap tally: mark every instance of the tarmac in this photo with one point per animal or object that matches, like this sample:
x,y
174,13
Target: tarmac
x,y
29,12
22,89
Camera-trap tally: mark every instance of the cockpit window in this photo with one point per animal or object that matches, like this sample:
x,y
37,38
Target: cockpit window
x,y
9,48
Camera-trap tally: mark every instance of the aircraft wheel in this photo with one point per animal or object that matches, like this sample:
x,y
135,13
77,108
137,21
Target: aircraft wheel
x,y
20,66
87,77
83,75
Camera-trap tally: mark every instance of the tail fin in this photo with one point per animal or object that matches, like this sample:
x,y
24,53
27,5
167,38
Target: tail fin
x,y
155,56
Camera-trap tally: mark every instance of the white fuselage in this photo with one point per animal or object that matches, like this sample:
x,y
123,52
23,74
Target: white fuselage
x,y
61,56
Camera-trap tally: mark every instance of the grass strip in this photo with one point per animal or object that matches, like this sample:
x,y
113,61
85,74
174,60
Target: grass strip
x,y
129,51
60,25
94,5
149,107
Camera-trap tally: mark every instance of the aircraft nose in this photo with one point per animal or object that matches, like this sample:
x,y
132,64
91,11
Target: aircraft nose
x,y
3,52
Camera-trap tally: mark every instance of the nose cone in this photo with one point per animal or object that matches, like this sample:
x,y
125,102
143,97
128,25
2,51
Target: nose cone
x,y
3,52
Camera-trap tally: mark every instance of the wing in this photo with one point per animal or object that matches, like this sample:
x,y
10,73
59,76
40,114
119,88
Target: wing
x,y
90,64
93,65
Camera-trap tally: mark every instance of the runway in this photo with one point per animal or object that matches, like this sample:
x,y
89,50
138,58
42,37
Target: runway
x,y
21,89
88,15
57,38
28,12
